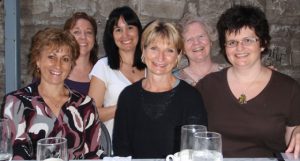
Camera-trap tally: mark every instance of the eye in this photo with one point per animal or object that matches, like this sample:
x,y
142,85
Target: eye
x,y
231,43
90,33
153,48
76,32
189,40
117,30
200,36
131,27
51,56
171,50
248,40
66,59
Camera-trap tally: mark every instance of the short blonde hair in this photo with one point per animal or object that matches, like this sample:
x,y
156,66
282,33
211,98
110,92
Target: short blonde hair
x,y
158,29
203,21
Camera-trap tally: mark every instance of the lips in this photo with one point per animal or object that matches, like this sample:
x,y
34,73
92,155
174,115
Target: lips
x,y
126,41
57,73
161,65
241,55
83,44
198,49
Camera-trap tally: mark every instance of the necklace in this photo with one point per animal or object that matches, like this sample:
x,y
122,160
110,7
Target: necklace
x,y
55,102
243,98
56,105
190,74
129,65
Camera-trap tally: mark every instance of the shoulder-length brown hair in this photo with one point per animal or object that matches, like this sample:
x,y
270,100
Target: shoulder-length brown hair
x,y
52,38
70,23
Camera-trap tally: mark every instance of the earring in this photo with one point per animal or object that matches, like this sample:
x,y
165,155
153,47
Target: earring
x,y
178,59
177,64
37,69
143,59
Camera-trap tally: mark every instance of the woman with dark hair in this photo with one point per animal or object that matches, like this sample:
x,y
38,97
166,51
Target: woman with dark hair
x,y
48,108
256,109
84,28
122,65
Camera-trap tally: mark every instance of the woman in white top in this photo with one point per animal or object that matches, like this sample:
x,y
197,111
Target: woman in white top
x,y
122,65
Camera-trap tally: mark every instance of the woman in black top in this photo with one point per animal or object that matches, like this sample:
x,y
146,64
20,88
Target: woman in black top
x,y
151,111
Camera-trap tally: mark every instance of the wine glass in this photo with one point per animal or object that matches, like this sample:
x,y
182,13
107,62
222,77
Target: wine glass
x,y
6,151
187,142
52,149
207,146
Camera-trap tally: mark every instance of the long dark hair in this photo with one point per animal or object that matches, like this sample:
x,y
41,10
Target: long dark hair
x,y
110,47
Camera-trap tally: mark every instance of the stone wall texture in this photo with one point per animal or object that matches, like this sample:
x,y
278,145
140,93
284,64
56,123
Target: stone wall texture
x,y
283,16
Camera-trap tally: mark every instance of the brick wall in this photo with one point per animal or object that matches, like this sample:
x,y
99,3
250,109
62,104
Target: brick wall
x,y
283,16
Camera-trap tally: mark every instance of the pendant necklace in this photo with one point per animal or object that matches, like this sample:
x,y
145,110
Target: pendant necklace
x,y
243,98
132,68
56,103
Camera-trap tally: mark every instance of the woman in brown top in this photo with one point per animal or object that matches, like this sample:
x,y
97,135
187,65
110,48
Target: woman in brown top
x,y
256,109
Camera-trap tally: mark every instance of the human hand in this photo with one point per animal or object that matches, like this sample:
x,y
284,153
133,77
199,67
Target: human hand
x,y
294,145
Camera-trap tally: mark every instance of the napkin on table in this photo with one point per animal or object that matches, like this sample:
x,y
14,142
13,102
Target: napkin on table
x,y
117,158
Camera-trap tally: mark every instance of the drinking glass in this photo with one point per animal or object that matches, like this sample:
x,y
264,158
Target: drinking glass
x,y
52,149
207,146
6,151
187,142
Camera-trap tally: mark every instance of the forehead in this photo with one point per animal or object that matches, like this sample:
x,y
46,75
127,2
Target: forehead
x,y
121,22
57,49
162,41
193,28
83,23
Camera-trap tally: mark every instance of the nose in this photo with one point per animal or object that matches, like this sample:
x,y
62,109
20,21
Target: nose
x,y
197,40
161,56
240,46
82,35
125,32
58,63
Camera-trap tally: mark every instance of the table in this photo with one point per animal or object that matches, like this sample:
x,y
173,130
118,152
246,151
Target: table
x,y
228,159
225,159
286,157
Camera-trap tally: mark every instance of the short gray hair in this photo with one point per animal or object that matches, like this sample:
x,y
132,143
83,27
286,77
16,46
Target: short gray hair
x,y
191,18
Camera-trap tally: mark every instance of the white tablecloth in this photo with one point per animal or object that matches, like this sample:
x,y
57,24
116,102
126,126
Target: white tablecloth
x,y
286,157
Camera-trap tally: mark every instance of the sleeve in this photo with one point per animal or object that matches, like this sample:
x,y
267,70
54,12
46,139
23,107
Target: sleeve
x,y
121,139
92,130
100,71
196,113
294,118
13,109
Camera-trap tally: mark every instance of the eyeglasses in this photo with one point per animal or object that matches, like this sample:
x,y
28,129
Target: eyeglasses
x,y
247,41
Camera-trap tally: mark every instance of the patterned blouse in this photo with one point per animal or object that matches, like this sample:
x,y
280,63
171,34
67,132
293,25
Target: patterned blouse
x,y
31,119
